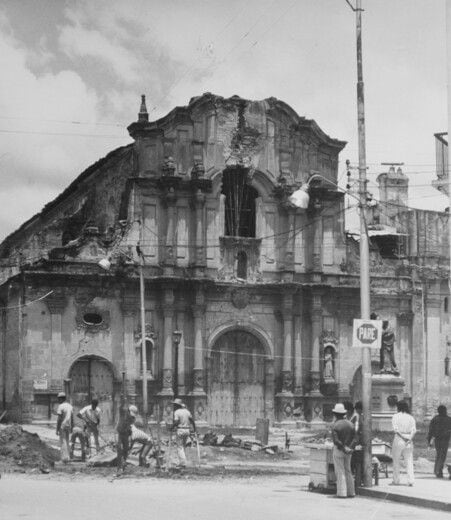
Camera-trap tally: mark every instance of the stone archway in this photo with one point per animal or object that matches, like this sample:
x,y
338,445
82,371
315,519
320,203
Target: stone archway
x,y
237,379
92,376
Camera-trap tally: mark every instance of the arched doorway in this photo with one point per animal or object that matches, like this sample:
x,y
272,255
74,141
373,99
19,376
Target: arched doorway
x,y
237,380
92,376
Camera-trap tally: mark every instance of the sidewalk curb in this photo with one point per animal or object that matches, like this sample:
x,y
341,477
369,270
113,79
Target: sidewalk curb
x,y
438,505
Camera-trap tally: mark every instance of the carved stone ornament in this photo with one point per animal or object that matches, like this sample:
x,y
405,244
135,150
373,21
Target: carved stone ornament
x,y
328,337
167,378
240,298
149,332
168,167
198,171
198,378
288,410
287,381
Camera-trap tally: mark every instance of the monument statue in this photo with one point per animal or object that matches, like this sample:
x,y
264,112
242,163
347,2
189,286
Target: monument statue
x,y
387,354
328,368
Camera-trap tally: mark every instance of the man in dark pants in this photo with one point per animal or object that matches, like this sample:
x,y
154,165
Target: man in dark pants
x,y
440,431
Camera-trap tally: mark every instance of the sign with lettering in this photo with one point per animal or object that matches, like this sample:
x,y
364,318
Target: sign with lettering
x,y
367,333
40,384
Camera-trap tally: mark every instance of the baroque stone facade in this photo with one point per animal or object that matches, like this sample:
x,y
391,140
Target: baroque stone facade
x,y
263,293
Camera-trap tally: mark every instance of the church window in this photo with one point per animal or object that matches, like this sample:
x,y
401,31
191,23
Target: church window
x,y
240,203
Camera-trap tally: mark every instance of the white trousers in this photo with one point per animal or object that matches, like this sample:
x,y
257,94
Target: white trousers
x,y
342,466
401,448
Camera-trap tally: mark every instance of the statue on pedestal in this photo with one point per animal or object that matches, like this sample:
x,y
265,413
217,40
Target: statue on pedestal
x,y
328,367
387,354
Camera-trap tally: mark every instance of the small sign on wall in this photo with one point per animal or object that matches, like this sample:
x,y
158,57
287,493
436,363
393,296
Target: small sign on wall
x,y
367,333
40,384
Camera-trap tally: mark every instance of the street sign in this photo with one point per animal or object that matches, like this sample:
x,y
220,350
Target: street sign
x,y
367,333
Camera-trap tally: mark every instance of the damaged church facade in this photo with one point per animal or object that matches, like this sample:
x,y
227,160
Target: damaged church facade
x,y
263,293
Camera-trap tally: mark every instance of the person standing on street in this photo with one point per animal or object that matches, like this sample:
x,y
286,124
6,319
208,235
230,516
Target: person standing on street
x,y
440,431
183,420
404,427
343,436
64,425
127,416
91,416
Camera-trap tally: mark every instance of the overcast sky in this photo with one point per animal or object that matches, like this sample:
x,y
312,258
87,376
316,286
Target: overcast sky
x,y
72,73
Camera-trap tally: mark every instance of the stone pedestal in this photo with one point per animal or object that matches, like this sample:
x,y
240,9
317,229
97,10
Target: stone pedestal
x,y
387,390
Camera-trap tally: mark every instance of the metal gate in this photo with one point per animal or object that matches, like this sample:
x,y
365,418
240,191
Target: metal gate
x,y
92,377
237,380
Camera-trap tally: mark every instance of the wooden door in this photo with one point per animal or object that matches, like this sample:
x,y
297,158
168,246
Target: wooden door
x,y
92,377
237,380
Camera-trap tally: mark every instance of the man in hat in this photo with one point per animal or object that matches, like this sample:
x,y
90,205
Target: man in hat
x,y
343,435
64,425
90,415
183,420
127,416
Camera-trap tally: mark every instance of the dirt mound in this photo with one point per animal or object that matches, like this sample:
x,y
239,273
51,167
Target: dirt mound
x,y
25,449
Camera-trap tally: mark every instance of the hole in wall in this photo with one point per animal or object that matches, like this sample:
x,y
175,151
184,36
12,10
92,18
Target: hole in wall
x,y
92,318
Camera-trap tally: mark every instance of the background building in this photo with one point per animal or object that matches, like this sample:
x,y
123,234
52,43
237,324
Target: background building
x,y
263,293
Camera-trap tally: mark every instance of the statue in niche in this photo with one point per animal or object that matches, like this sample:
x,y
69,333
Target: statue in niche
x,y
329,364
387,354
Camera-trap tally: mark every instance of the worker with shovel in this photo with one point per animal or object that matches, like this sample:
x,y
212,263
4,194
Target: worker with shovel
x,y
183,420
90,415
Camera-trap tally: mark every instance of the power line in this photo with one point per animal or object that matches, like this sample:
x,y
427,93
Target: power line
x,y
34,132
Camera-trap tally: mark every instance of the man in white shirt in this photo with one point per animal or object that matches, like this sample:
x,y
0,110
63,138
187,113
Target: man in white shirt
x,y
64,425
183,420
404,428
91,416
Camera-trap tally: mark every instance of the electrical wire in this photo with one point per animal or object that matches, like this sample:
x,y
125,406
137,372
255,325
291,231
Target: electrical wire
x,y
27,303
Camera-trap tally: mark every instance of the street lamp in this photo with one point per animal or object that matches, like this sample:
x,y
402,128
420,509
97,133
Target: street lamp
x,y
300,198
105,264
176,338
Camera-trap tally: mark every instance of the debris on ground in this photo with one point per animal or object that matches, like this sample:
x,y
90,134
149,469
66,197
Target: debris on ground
x,y
22,449
105,459
230,442
211,439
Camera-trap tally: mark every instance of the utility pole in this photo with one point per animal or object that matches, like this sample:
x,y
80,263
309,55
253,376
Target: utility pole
x,y
364,253
143,336
448,71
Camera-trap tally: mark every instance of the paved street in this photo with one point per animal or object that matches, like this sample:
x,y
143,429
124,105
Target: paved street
x,y
43,498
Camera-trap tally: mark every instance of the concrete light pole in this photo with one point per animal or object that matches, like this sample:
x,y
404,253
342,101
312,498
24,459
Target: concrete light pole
x,y
364,253
143,337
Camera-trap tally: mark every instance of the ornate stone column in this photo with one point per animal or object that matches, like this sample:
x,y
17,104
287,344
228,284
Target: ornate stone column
x,y
170,247
56,303
166,393
298,359
181,353
199,206
198,392
315,396
405,320
433,369
129,308
285,398
290,240
317,241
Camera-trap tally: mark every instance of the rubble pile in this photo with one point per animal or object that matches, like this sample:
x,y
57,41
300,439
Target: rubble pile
x,y
24,449
228,441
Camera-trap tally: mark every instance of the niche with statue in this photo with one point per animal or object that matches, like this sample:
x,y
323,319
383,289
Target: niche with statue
x,y
328,353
